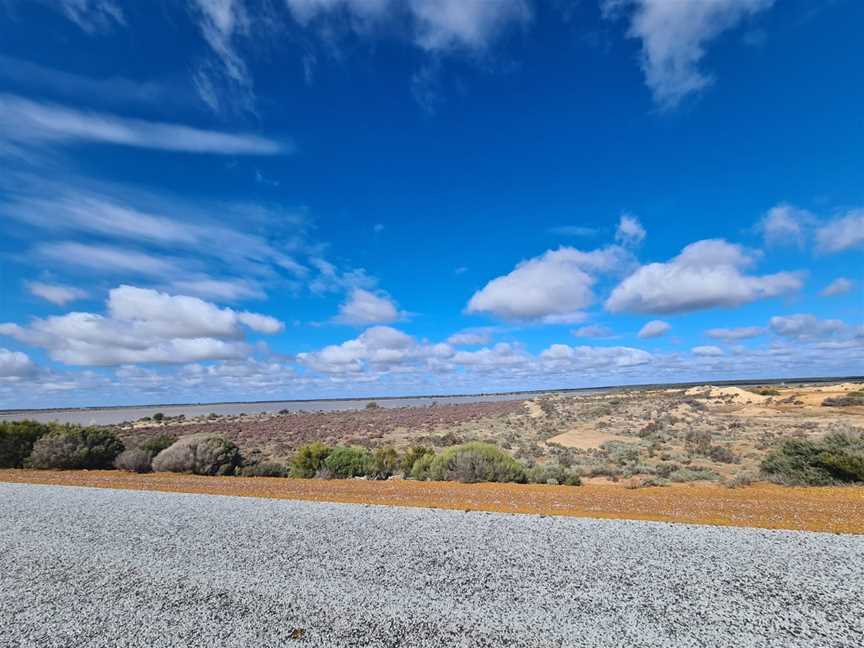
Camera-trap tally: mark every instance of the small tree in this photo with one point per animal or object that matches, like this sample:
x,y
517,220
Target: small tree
x,y
309,459
385,462
17,439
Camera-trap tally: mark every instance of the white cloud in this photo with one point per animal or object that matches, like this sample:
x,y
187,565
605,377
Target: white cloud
x,y
581,358
219,289
592,331
785,224
707,274
221,22
503,354
804,327
675,35
735,334
707,351
90,15
364,307
470,337
433,25
630,231
443,25
840,286
25,121
379,348
15,365
552,288
106,258
56,293
144,326
654,328
841,234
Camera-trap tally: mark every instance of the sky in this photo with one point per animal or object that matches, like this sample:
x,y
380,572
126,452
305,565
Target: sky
x,y
210,200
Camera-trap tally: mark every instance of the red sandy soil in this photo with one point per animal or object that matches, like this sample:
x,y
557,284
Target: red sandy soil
x,y
829,509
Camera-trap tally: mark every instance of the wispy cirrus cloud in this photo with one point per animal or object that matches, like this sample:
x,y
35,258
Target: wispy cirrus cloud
x,y
24,121
675,35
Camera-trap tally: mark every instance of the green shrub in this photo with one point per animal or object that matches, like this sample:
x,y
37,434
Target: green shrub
x,y
158,417
17,439
155,445
693,474
411,456
349,462
72,446
266,469
420,469
850,399
476,462
309,459
838,458
553,474
203,453
134,460
385,463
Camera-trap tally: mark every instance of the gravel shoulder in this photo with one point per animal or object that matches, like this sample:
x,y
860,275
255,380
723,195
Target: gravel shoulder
x,y
99,567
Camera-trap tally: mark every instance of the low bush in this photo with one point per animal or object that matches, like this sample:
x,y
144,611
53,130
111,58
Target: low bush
x,y
850,399
134,460
309,459
693,474
75,447
348,462
155,445
385,463
411,456
722,454
838,458
476,462
422,466
552,474
202,454
17,439
264,470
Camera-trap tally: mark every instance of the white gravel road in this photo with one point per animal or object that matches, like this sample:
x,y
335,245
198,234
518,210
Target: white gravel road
x,y
85,568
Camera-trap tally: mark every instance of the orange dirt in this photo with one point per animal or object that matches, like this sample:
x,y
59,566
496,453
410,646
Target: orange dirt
x,y
839,510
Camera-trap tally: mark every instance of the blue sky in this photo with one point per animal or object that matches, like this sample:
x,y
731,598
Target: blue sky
x,y
208,200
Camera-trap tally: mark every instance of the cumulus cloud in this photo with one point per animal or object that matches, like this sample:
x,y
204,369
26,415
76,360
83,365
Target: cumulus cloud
x,y
145,326
630,231
785,225
592,331
841,234
565,357
25,121
707,351
654,329
470,337
551,288
379,348
736,334
840,286
675,37
15,365
706,274
805,327
55,293
364,307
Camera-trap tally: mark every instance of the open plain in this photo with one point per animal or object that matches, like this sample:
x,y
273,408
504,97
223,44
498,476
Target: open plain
x,y
96,568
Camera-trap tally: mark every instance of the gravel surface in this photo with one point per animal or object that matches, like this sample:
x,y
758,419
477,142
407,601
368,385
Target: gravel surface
x,y
87,567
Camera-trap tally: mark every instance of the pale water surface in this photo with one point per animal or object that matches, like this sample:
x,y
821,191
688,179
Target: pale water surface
x,y
113,415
